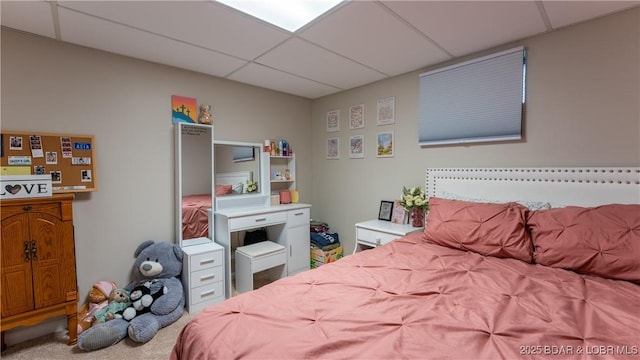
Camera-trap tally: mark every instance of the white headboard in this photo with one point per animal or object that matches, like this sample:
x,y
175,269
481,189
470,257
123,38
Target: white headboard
x,y
233,178
580,186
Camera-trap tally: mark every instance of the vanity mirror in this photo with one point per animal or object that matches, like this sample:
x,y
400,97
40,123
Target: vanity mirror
x,y
236,164
193,183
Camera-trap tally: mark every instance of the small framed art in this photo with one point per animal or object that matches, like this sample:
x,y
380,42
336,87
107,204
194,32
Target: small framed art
x,y
386,209
356,147
385,144
333,148
386,111
333,121
356,116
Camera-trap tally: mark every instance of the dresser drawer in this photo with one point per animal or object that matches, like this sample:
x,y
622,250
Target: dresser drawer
x,y
253,221
206,260
374,238
207,276
298,217
207,292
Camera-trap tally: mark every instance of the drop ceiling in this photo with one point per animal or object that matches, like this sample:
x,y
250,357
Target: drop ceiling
x,y
355,43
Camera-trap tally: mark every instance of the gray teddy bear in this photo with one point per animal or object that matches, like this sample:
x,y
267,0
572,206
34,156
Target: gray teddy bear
x,y
157,265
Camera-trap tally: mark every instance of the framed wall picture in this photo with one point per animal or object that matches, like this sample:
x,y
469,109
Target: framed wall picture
x,y
385,144
386,111
333,121
356,147
386,209
356,116
333,148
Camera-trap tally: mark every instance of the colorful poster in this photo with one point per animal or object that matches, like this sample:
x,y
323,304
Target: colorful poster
x,y
183,109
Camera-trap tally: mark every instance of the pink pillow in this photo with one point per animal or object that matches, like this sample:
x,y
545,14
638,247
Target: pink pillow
x,y
489,229
603,240
223,189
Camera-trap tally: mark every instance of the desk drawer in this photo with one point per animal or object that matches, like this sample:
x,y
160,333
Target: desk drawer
x,y
206,260
206,292
207,276
374,238
298,217
253,221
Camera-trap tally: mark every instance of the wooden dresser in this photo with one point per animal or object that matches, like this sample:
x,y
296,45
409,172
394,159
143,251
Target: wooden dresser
x,y
38,266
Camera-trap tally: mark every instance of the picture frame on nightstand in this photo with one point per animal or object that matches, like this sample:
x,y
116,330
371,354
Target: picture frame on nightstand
x,y
386,209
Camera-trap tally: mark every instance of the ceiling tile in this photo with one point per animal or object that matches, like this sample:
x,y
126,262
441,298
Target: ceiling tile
x,y
464,27
204,23
30,16
301,58
105,35
366,32
263,76
563,13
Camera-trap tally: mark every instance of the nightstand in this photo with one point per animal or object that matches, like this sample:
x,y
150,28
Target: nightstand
x,y
372,233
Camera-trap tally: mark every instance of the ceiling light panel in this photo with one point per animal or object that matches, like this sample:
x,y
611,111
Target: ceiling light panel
x,y
290,15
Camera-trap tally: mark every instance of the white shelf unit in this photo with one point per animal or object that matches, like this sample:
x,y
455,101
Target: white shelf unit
x,y
280,165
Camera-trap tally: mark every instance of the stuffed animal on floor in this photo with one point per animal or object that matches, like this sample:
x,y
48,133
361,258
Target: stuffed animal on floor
x,y
160,265
118,301
97,298
142,299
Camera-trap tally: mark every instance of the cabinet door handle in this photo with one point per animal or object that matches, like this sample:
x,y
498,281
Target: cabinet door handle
x,y
34,250
27,251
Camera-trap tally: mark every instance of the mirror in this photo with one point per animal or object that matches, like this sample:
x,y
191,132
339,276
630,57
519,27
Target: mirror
x,y
194,187
235,163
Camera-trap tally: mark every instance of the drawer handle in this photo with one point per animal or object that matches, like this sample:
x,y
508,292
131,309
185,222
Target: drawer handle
x,y
207,261
27,208
204,294
298,214
261,219
208,277
378,240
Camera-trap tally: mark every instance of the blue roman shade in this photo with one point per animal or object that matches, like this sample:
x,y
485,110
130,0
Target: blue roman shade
x,y
475,101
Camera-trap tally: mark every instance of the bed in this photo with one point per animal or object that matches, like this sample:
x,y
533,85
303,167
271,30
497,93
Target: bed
x,y
513,263
195,218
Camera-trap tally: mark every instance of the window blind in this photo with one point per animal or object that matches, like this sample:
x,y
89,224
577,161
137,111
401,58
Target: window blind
x,y
474,101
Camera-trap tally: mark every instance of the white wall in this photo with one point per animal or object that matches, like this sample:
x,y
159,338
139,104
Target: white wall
x,y
582,110
53,87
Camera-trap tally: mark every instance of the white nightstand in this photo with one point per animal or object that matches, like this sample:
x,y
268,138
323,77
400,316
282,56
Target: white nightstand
x,y
372,233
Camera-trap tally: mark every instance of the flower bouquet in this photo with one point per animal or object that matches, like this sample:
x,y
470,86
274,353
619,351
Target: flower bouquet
x,y
251,186
414,200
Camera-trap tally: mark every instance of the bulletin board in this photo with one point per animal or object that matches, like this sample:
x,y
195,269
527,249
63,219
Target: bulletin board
x,y
69,158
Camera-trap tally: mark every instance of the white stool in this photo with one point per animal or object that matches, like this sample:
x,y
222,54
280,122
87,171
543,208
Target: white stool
x,y
257,257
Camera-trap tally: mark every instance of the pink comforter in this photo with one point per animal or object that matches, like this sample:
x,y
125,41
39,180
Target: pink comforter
x,y
411,299
195,217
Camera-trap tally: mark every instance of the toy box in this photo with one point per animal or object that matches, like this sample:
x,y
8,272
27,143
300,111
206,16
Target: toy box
x,y
319,257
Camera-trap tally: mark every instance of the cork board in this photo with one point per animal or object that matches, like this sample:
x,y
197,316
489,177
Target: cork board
x,y
68,158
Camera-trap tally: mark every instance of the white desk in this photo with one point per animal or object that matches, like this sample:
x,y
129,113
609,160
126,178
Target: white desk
x,y
372,233
287,225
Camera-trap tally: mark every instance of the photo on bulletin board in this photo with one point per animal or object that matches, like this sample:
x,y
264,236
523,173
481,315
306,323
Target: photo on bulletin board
x,y
183,109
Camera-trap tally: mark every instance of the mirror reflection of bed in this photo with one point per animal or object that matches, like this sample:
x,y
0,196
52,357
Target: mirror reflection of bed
x,y
234,164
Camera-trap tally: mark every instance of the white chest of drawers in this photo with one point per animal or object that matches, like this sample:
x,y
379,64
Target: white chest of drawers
x,y
203,276
372,233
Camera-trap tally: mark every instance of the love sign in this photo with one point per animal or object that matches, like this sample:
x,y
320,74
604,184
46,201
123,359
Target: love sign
x,y
25,186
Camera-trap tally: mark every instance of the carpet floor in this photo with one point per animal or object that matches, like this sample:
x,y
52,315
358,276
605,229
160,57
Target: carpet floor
x,y
54,346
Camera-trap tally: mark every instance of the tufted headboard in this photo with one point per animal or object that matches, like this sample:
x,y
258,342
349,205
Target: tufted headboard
x,y
580,186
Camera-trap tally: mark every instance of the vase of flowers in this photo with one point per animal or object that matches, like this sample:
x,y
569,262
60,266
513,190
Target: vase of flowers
x,y
252,186
414,200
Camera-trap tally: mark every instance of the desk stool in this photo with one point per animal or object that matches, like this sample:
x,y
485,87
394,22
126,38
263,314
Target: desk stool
x,y
257,257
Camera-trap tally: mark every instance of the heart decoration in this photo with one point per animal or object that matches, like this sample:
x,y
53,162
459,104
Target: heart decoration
x,y
13,189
